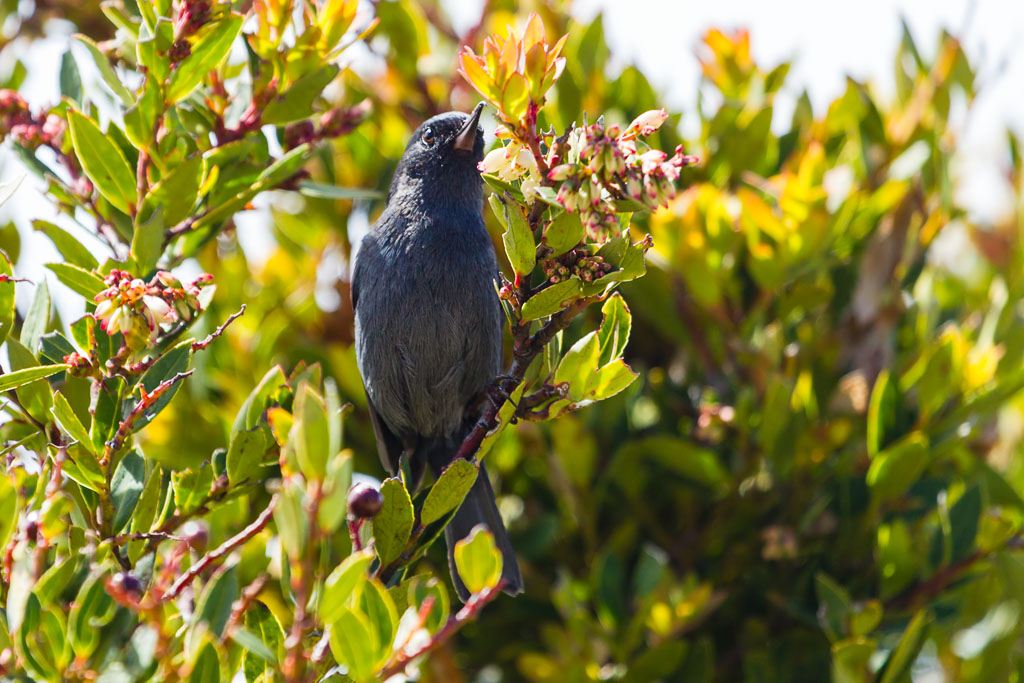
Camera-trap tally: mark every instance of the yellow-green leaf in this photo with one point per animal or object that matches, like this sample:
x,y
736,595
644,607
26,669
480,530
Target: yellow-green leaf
x,y
103,162
477,560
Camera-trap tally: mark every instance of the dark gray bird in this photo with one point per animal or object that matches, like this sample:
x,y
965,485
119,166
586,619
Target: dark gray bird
x,y
428,323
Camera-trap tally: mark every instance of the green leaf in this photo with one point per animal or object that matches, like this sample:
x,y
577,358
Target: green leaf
x,y
252,644
70,248
82,466
37,318
551,299
579,364
210,49
70,79
614,332
53,347
895,469
341,583
214,605
103,162
69,422
881,412
518,239
36,396
53,582
106,71
312,434
964,518
140,120
563,233
851,660
334,504
260,622
273,175
420,588
477,560
449,491
18,378
207,665
353,644
6,297
125,488
191,488
176,192
173,362
245,453
149,501
8,510
910,645
393,524
251,412
865,617
833,605
319,191
92,609
290,518
148,240
379,607
296,101
79,280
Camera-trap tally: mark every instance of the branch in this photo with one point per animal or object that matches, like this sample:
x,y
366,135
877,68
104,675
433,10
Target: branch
x,y
200,345
468,612
524,351
222,551
148,399
937,583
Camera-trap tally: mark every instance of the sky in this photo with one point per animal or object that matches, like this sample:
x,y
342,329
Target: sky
x,y
825,39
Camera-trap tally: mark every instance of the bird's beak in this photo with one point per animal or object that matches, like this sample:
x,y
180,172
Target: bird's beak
x,y
466,137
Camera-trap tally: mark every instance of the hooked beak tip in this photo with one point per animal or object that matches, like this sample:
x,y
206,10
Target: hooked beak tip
x,y
466,137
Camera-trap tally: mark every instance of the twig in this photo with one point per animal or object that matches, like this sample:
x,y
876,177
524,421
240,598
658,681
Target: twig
x,y
202,344
468,612
146,536
222,551
241,605
524,352
926,590
148,399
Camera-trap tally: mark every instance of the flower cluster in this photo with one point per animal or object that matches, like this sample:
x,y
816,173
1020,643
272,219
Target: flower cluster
x,y
514,73
192,15
605,163
513,161
595,166
27,130
137,309
578,262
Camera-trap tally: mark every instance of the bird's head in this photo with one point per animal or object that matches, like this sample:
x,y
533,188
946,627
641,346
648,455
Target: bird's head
x,y
442,156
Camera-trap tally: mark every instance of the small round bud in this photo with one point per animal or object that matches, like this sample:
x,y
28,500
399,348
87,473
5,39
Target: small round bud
x,y
127,582
364,502
125,588
196,535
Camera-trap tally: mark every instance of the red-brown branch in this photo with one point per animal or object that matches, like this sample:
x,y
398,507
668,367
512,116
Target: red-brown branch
x,y
221,552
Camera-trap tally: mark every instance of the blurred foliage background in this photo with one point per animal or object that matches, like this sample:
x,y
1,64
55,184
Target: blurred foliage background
x,y
820,469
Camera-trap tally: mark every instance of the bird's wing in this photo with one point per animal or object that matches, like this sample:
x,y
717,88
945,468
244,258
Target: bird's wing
x,y
389,446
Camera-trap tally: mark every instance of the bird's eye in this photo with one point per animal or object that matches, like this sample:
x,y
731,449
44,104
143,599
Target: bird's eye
x,y
428,135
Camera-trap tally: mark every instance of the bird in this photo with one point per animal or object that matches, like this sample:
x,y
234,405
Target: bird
x,y
428,321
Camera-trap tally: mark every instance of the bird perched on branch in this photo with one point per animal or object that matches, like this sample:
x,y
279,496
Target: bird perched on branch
x,y
428,323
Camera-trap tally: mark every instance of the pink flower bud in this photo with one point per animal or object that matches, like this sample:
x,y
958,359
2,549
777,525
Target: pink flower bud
x,y
493,162
648,122
560,172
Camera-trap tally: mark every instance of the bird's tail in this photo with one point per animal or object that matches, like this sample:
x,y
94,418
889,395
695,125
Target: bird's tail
x,y
479,507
